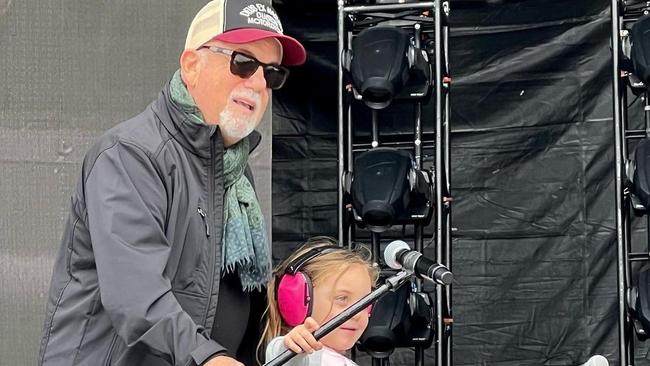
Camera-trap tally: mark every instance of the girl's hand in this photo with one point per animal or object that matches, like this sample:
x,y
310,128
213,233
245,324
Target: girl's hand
x,y
301,339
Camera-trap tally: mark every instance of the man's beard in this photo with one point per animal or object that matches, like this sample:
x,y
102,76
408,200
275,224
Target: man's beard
x,y
236,125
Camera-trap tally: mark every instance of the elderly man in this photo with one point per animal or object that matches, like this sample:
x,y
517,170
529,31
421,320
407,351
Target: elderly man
x,y
165,239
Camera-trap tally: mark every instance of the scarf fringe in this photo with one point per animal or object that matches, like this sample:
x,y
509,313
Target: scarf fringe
x,y
242,264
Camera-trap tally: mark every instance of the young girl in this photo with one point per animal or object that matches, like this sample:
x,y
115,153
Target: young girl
x,y
316,283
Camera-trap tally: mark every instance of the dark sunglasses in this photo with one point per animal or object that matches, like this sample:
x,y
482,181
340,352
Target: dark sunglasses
x,y
245,66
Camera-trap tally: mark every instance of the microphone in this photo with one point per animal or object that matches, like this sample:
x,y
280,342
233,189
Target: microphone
x,y
398,255
596,360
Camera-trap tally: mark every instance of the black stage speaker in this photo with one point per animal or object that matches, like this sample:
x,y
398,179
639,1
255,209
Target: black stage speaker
x,y
387,189
640,53
380,61
639,174
639,303
399,319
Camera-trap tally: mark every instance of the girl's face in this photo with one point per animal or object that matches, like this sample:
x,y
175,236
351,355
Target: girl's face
x,y
335,293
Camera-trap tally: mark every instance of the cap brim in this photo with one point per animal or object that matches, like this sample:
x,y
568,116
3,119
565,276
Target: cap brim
x,y
293,52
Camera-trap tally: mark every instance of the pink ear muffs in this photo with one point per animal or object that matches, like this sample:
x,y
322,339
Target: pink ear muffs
x,y
294,298
294,289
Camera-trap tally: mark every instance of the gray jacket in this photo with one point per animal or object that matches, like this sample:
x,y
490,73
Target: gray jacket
x,y
136,278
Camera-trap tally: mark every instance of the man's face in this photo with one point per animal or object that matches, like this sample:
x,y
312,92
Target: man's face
x,y
336,293
235,104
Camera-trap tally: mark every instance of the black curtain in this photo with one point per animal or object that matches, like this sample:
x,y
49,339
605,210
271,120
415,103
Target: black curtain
x,y
532,150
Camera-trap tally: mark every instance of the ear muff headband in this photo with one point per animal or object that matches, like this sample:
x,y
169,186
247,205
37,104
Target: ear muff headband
x,y
294,266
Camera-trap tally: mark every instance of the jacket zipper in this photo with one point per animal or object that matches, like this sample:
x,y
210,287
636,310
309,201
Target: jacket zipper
x,y
211,209
205,221
111,348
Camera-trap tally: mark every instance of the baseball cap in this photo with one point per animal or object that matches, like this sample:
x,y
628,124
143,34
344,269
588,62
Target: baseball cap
x,y
242,21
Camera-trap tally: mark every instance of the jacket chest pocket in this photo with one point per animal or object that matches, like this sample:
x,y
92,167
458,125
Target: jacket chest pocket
x,y
196,257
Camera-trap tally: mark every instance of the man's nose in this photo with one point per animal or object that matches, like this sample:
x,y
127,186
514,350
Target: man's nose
x,y
257,80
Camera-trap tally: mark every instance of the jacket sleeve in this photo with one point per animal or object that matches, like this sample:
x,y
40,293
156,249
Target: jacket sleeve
x,y
126,204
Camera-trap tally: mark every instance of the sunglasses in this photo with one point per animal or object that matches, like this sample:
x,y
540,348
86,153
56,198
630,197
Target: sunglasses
x,y
245,66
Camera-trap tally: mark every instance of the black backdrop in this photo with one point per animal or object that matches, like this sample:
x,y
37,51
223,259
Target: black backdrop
x,y
532,156
532,151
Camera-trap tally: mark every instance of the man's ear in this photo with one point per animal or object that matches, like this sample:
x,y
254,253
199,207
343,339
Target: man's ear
x,y
190,67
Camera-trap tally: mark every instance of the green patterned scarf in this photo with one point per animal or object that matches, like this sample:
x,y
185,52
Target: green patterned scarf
x,y
245,246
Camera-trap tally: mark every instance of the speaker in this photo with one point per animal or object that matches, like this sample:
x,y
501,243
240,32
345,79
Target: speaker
x,y
640,53
388,189
638,174
381,57
638,300
400,318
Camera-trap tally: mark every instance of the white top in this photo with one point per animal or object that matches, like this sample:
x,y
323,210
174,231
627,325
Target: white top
x,y
326,356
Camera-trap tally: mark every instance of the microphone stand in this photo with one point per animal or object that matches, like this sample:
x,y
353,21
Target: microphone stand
x,y
391,284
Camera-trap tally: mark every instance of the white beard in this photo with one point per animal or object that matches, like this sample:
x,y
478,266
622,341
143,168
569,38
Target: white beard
x,y
234,125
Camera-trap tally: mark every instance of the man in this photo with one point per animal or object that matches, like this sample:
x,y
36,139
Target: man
x,y
165,239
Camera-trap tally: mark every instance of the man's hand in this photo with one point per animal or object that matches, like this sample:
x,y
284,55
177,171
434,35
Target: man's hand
x,y
300,339
223,361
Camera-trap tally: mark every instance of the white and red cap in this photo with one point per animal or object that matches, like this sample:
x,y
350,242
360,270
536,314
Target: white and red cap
x,y
242,21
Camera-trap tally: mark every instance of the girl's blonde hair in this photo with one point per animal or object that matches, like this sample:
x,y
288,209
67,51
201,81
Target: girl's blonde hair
x,y
324,265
